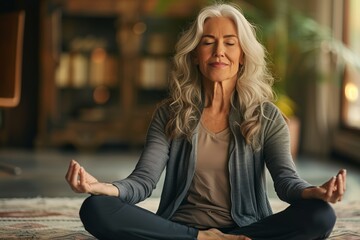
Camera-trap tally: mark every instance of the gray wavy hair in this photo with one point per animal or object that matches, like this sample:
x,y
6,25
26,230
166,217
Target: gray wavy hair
x,y
253,87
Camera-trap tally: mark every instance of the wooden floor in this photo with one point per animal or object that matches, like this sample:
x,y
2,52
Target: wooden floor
x,y
43,172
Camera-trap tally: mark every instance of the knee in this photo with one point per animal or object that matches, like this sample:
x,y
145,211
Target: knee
x,y
323,216
95,214
320,218
90,211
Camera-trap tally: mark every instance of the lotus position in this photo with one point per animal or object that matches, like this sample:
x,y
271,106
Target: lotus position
x,y
214,135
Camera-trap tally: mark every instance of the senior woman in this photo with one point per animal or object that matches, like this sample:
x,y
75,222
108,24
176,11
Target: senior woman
x,y
214,135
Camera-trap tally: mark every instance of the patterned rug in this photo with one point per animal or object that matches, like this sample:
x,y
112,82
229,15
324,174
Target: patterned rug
x,y
57,218
41,218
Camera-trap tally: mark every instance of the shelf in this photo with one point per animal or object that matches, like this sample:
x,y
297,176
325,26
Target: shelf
x,y
161,35
104,71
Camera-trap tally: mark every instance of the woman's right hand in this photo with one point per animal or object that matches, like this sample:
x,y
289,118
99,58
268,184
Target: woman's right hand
x,y
81,181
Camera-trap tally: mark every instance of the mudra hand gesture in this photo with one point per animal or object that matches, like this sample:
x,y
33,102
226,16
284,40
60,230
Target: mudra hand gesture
x,y
81,181
331,191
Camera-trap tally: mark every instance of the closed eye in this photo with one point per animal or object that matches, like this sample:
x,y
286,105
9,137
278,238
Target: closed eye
x,y
208,43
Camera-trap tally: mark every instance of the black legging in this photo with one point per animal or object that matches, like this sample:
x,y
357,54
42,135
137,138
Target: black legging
x,y
110,218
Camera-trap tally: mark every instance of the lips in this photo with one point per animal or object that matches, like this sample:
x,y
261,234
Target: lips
x,y
218,64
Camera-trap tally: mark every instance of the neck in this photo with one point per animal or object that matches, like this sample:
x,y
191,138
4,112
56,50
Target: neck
x,y
218,97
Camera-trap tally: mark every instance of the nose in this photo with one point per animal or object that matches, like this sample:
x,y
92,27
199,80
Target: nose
x,y
219,51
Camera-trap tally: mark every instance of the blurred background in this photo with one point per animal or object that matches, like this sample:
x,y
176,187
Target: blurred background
x,y
90,73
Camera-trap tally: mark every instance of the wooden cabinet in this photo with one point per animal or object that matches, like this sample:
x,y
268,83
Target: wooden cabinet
x,y
104,67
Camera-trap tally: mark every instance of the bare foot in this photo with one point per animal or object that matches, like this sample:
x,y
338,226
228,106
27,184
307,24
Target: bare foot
x,y
215,234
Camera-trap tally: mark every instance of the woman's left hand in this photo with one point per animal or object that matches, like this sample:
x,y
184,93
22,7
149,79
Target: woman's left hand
x,y
331,191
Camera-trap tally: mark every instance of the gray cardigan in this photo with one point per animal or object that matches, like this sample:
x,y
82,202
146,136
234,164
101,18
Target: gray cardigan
x,y
249,201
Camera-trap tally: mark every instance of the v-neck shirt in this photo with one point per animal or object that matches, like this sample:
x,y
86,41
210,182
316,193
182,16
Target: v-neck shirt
x,y
208,202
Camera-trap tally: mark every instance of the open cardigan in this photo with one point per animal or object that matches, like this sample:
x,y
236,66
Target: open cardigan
x,y
249,201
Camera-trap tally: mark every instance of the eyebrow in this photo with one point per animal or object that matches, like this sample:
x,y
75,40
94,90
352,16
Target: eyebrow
x,y
211,36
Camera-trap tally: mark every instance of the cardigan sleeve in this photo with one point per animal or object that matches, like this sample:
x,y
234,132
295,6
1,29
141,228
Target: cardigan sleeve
x,y
287,182
142,181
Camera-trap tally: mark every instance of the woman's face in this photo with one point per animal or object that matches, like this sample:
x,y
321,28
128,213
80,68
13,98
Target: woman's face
x,y
218,53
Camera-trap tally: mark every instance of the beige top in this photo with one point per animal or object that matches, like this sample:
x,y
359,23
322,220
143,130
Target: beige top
x,y
208,201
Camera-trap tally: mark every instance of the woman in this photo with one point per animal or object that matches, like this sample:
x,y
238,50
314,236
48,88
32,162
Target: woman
x,y
215,135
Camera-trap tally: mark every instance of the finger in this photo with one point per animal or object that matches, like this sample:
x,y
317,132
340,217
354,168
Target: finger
x,y
82,175
74,181
70,171
330,189
340,187
329,182
344,173
338,191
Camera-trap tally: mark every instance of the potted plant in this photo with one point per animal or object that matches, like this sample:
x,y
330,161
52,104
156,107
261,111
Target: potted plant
x,y
295,43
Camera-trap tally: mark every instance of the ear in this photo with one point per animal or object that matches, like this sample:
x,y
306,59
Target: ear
x,y
242,57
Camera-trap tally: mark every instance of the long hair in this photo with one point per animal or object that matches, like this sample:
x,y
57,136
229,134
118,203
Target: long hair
x,y
253,86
